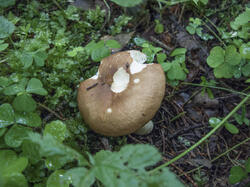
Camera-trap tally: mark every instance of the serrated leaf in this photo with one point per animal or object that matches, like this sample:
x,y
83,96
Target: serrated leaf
x,y
57,179
216,57
29,119
24,103
236,174
6,27
112,44
232,56
7,116
179,51
40,57
127,3
224,71
35,86
57,129
241,19
15,135
81,177
231,128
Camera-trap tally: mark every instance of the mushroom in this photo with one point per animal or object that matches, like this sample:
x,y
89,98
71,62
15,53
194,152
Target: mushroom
x,y
123,96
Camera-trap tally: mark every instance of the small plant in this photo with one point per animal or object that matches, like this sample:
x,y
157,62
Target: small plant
x,y
205,89
213,121
127,3
120,22
159,27
194,27
238,173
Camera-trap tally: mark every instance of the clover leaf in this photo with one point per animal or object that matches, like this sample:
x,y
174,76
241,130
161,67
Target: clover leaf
x,y
35,86
57,129
24,103
216,57
7,116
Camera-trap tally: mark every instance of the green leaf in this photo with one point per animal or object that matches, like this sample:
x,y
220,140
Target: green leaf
x,y
247,165
15,135
246,70
231,128
57,129
4,81
6,3
40,57
81,176
179,51
7,116
57,179
15,180
224,71
24,103
216,57
26,59
35,86
232,56
140,41
2,131
176,72
3,46
112,44
166,66
190,29
127,3
10,163
29,119
245,50
236,174
241,19
161,57
14,89
98,54
6,27
213,121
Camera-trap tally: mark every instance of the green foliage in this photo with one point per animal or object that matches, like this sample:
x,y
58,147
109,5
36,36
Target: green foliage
x,y
214,121
57,129
205,89
241,20
238,173
6,115
194,27
159,28
127,3
6,27
120,22
227,63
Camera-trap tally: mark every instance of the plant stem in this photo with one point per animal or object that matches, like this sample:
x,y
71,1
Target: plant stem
x,y
202,139
215,87
216,158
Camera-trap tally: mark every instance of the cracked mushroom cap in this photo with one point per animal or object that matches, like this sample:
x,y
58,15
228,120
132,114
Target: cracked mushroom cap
x,y
123,96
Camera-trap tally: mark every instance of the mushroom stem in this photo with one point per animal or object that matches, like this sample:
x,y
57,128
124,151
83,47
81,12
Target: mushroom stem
x,y
146,129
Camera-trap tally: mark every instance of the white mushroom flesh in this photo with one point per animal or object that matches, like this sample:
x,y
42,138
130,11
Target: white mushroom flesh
x,y
120,80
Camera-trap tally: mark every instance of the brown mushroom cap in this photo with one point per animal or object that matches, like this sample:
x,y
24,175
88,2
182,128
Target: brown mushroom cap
x,y
123,96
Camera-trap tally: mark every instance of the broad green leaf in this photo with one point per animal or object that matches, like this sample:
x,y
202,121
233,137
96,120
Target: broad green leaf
x,y
247,165
179,51
161,57
81,177
237,173
2,131
10,163
245,50
31,151
7,116
246,70
99,53
232,56
224,71
15,135
14,89
241,19
213,121
140,41
24,103
6,3
40,57
3,46
26,59
176,72
15,180
112,44
35,86
57,129
166,66
216,57
127,3
58,179
4,81
29,119
6,27
231,128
